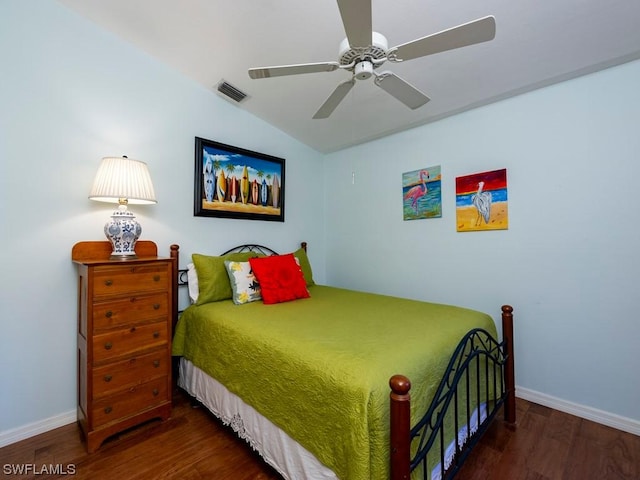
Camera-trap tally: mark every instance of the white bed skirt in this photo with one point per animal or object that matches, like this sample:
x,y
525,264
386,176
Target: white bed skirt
x,y
277,448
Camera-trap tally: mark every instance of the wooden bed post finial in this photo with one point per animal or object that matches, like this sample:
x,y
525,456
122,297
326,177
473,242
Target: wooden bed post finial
x,y
509,368
400,418
174,253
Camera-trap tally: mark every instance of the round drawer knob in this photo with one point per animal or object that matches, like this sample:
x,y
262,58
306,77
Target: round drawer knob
x,y
107,378
156,363
108,410
108,314
155,392
156,334
156,306
108,345
108,283
156,278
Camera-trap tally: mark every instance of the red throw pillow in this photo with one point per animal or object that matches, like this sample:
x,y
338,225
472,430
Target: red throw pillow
x,y
280,278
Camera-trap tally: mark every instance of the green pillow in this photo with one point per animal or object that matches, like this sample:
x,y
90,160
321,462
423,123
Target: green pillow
x,y
213,281
305,266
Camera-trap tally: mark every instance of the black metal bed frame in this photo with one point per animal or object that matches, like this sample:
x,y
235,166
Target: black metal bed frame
x,y
251,247
477,350
461,393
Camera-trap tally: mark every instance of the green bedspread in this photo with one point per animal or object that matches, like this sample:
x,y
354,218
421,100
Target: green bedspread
x,y
319,367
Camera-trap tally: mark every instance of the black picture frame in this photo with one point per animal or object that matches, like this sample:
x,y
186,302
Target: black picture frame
x,y
233,182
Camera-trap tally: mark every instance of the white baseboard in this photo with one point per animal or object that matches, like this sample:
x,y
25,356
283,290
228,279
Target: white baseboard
x,y
599,416
32,429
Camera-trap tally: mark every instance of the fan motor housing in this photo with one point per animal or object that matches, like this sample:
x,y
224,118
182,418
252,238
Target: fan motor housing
x,y
376,51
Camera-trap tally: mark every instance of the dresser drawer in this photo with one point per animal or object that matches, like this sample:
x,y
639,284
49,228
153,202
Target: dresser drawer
x,y
128,341
131,401
130,372
125,279
133,309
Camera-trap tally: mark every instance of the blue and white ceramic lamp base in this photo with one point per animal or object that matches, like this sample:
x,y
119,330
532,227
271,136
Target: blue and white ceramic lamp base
x,y
123,232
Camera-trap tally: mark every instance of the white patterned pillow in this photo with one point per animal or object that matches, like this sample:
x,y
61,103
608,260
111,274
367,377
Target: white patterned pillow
x,y
243,282
192,279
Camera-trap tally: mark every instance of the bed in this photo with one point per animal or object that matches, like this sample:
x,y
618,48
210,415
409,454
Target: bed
x,y
319,384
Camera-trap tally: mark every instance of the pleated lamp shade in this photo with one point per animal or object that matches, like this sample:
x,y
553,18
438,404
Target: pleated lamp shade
x,y
122,180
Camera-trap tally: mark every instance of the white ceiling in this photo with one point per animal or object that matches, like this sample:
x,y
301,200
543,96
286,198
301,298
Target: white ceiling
x,y
537,43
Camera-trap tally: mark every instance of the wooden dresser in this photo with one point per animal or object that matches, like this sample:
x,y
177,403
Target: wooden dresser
x,y
125,311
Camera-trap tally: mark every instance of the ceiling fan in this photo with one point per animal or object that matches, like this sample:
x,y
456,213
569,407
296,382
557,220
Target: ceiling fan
x,y
363,51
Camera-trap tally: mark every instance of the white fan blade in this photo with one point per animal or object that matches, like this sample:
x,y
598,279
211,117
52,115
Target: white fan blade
x,y
403,91
334,99
477,31
266,72
356,18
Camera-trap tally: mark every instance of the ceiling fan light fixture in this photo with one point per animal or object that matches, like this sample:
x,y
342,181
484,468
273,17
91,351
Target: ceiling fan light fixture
x,y
363,70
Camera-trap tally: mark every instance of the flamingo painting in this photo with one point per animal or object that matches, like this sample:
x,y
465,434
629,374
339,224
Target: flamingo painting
x,y
422,193
416,193
482,201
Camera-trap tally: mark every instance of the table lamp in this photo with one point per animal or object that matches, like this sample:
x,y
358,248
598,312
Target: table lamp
x,y
124,181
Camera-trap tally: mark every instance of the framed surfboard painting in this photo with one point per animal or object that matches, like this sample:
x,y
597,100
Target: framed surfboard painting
x,y
232,182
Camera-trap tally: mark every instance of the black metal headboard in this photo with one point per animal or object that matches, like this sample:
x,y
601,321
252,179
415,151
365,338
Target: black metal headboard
x,y
252,247
182,278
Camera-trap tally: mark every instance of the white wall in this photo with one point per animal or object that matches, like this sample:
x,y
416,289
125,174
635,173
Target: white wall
x,y
71,94
569,261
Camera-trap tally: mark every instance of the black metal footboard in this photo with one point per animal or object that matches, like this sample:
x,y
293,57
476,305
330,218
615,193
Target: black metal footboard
x,y
478,381
468,397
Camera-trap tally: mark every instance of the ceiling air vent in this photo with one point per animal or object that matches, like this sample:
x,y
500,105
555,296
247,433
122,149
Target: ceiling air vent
x,y
230,91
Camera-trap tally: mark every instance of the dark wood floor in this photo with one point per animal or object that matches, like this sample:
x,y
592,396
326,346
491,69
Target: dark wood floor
x,y
546,444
